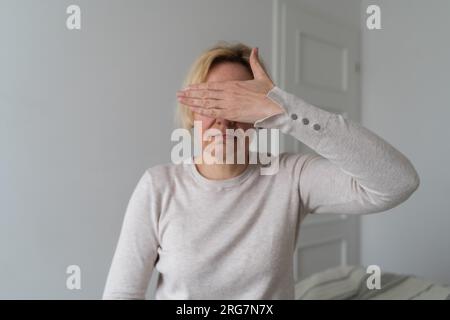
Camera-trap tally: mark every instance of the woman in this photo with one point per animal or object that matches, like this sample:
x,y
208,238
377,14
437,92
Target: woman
x,y
224,231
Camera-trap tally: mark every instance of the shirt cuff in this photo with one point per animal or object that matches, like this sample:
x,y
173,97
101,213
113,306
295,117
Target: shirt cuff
x,y
300,119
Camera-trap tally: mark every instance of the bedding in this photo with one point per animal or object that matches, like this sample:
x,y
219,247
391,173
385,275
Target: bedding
x,y
349,283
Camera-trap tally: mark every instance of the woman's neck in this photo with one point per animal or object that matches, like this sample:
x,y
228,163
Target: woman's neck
x,y
221,171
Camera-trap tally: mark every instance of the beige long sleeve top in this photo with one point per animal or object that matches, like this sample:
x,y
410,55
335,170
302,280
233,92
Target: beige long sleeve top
x,y
235,238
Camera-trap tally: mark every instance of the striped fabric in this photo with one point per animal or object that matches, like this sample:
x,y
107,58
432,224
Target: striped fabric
x,y
349,283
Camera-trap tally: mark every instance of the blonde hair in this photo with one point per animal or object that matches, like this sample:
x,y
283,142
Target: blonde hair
x,y
219,53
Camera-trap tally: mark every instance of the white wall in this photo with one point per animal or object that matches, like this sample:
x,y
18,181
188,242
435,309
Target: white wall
x,y
83,114
405,98
344,11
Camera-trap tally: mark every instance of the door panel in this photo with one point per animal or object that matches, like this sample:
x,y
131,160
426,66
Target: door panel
x,y
316,58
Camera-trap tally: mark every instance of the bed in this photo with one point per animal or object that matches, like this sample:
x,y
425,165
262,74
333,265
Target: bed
x,y
349,283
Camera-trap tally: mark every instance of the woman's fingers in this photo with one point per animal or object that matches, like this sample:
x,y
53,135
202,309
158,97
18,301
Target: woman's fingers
x,y
212,112
209,86
258,71
202,94
201,103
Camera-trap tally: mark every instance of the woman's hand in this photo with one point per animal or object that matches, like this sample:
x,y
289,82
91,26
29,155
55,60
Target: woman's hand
x,y
241,101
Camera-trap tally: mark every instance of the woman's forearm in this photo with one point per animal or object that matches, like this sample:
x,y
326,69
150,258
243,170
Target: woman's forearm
x,y
376,168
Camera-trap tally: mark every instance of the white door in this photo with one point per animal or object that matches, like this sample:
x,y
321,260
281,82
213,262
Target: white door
x,y
317,60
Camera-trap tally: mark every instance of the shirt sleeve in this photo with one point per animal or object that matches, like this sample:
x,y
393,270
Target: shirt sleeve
x,y
136,250
354,170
